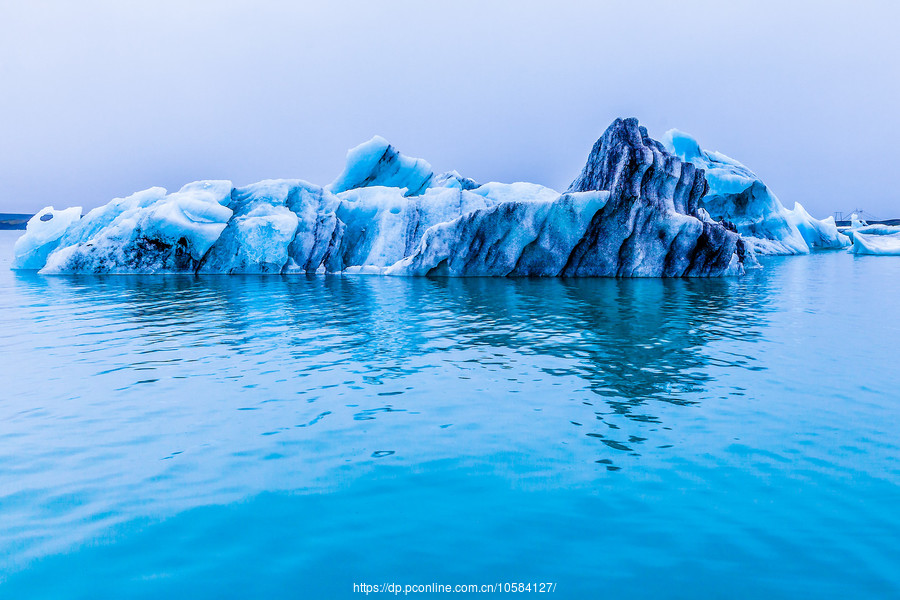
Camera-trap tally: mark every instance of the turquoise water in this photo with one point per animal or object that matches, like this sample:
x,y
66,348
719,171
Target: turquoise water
x,y
232,437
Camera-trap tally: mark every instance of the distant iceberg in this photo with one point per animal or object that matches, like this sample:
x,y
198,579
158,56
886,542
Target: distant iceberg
x,y
738,196
640,208
878,239
887,245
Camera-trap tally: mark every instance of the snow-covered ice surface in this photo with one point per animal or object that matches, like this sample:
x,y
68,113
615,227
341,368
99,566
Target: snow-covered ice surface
x,y
738,196
639,208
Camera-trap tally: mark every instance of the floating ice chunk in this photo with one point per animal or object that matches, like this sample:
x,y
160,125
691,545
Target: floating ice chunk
x,y
42,235
377,163
876,229
364,270
817,233
736,195
886,245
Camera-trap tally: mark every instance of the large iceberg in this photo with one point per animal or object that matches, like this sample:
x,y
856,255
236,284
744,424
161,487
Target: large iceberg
x,y
635,210
738,196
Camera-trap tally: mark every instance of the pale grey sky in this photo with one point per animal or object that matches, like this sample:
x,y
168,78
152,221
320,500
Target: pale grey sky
x,y
100,99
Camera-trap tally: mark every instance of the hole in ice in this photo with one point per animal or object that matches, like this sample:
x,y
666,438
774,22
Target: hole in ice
x,y
47,217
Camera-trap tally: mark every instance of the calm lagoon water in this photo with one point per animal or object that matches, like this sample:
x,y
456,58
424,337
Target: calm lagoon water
x,y
231,437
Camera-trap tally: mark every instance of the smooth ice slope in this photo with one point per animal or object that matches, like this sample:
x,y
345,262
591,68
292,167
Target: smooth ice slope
x,y
738,196
819,234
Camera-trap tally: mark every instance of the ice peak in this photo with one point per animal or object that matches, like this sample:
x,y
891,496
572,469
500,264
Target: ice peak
x,y
378,163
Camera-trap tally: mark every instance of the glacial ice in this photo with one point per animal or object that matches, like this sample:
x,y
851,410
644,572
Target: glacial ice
x,y
377,163
887,245
383,225
147,232
42,236
638,208
510,238
819,234
737,196
878,238
874,229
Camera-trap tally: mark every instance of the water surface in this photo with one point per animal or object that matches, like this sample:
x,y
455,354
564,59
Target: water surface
x,y
239,436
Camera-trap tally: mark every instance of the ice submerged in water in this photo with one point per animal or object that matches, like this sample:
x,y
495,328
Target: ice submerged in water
x,y
636,210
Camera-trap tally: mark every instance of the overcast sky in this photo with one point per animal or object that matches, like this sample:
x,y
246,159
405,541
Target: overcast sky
x,y
100,99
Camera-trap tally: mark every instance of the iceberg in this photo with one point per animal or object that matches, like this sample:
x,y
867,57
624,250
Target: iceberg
x,y
737,196
885,245
859,227
636,210
878,238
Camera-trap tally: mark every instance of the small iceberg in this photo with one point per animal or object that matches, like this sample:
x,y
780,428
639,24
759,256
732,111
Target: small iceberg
x,y
885,245
877,239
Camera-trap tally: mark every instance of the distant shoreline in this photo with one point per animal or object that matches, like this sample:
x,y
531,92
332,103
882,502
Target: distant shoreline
x,y
847,223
